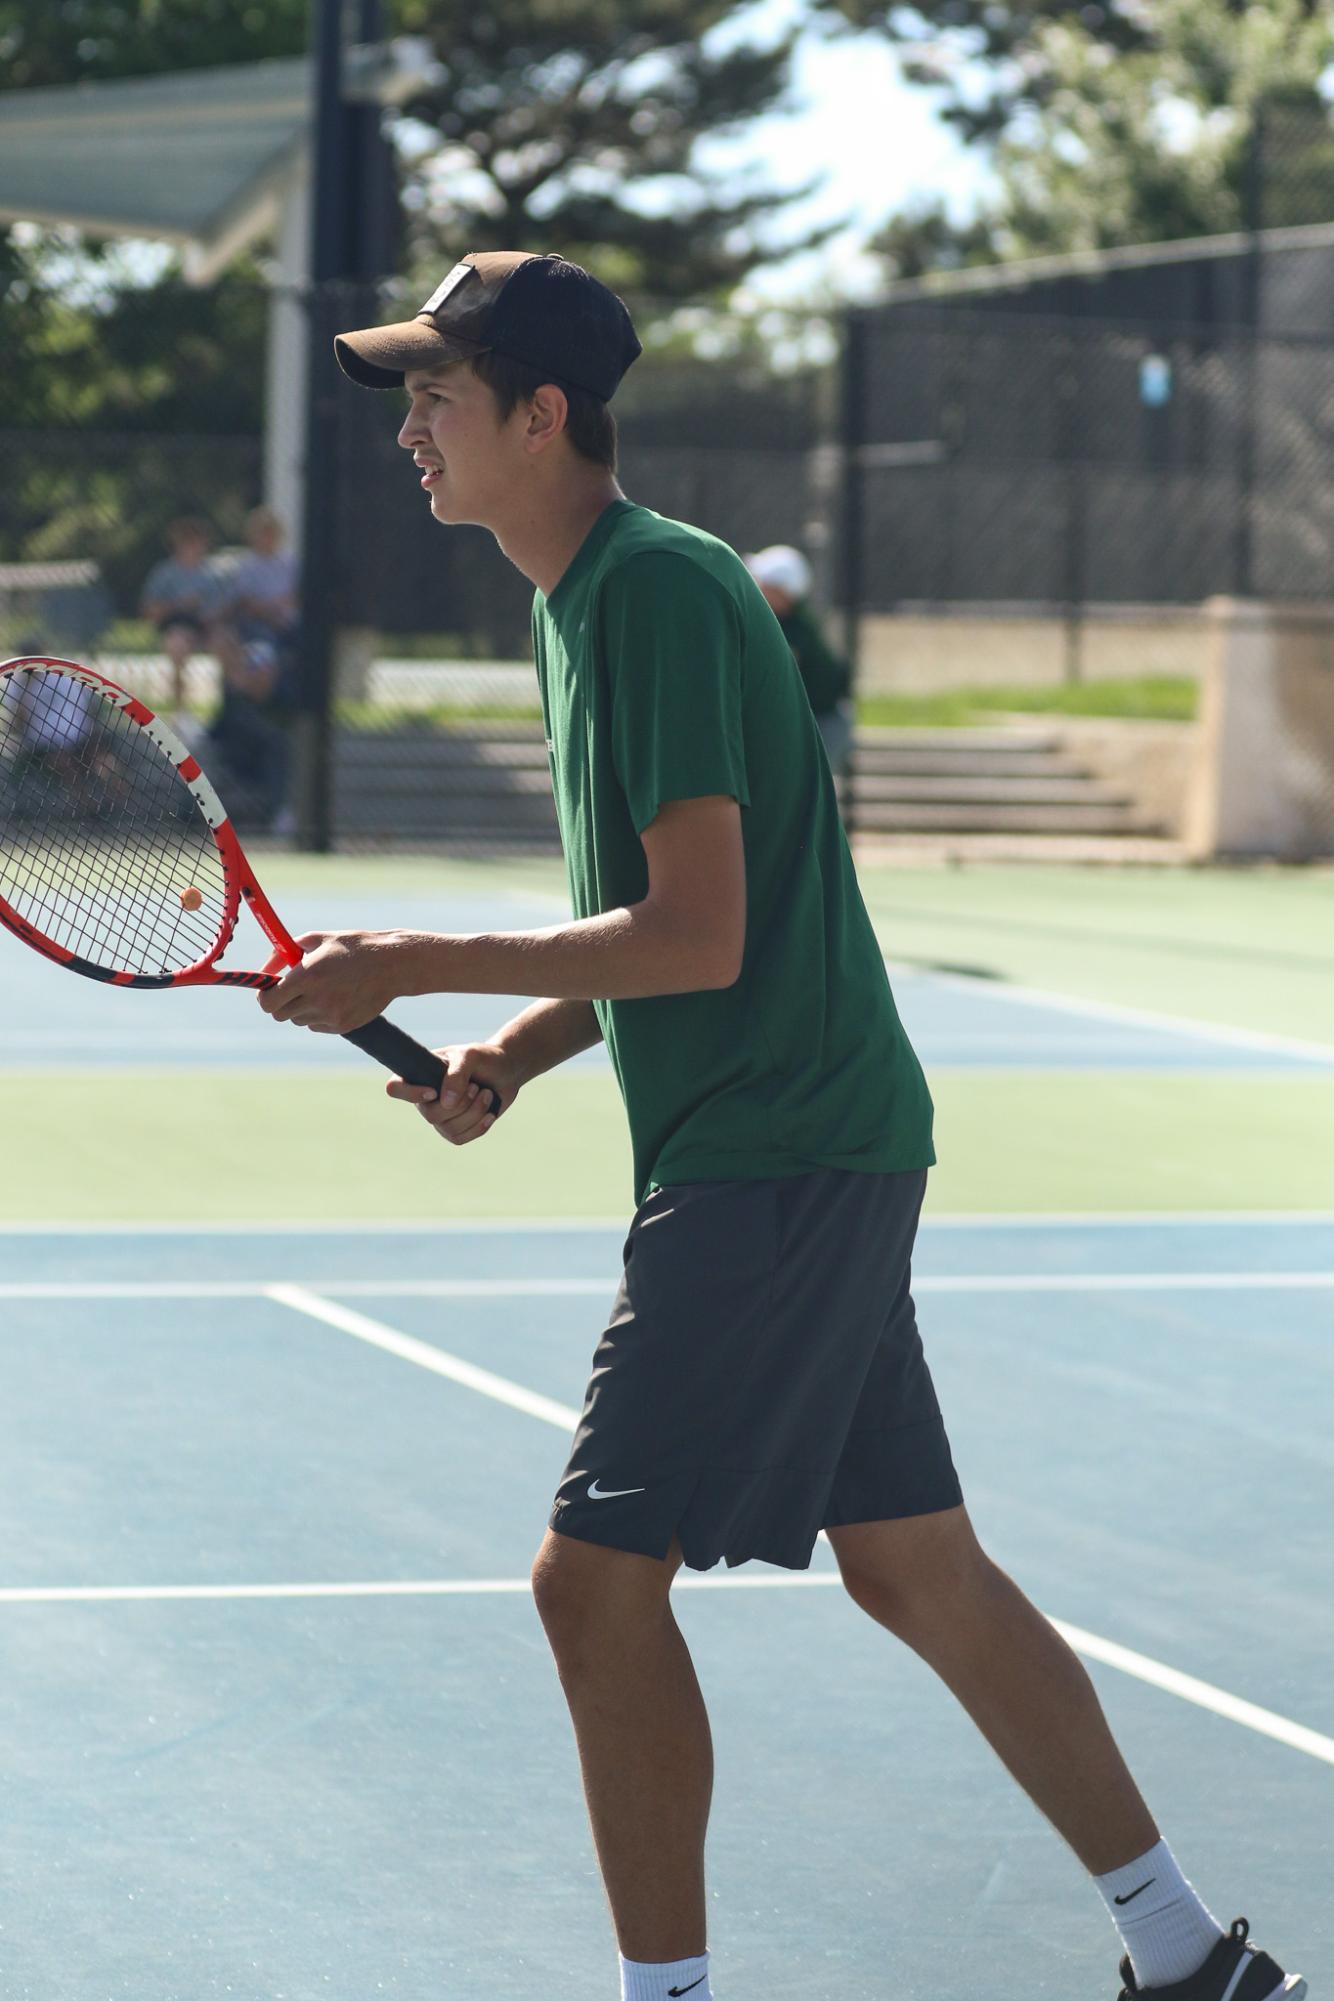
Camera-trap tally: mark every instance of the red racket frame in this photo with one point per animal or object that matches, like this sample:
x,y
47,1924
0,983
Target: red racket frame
x,y
398,1052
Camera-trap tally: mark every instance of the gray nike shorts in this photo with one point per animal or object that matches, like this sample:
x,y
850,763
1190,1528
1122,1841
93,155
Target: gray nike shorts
x,y
762,1376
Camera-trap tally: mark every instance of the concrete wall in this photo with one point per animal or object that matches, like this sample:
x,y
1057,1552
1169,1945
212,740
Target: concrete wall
x,y
1263,784
1154,763
992,646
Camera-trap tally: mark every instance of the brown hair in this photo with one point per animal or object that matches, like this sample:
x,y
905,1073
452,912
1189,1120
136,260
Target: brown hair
x,y
188,527
589,424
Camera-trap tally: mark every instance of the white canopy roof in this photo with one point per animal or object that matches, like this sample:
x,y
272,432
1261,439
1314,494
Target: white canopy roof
x,y
200,157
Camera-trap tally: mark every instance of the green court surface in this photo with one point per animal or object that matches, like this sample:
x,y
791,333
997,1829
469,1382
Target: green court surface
x,y
209,1146
1248,948
1034,1132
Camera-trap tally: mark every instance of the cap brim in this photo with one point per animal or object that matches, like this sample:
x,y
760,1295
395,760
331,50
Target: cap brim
x,y
379,357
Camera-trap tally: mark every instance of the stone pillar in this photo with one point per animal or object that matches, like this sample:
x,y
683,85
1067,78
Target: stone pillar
x,y
355,648
1263,783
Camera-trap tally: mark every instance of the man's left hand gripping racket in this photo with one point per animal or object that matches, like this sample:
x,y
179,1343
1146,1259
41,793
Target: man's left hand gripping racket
x,y
116,856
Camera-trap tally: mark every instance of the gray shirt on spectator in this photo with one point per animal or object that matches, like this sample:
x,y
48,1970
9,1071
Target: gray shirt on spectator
x,y
264,578
190,588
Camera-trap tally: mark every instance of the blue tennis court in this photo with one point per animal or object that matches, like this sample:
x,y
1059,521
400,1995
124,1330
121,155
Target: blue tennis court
x,y
956,1021
279,1721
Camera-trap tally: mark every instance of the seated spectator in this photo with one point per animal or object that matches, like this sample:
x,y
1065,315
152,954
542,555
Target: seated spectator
x,y
784,576
181,595
254,637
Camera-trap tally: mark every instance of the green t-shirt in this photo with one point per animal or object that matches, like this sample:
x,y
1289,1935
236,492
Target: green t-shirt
x,y
825,675
664,675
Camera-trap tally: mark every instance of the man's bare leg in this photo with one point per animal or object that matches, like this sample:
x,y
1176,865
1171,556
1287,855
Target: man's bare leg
x,y
642,1733
928,1580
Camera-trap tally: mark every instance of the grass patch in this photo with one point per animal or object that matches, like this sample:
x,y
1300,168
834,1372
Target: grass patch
x,y
1157,698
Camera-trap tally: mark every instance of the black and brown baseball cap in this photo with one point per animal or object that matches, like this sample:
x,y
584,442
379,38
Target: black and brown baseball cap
x,y
543,311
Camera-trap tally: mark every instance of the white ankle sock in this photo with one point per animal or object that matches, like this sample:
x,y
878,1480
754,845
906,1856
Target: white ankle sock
x,y
642,1981
1167,1930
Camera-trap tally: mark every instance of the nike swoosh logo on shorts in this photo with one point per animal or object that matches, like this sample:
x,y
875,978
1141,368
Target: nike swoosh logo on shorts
x,y
612,1493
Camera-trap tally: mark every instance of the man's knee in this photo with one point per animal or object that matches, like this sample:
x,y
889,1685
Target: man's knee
x,y
909,1574
585,1593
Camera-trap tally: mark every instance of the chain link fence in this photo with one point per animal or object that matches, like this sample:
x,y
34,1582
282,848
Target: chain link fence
x,y
987,496
1091,477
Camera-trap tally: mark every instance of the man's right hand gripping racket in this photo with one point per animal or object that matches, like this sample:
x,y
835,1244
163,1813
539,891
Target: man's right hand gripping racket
x,y
117,858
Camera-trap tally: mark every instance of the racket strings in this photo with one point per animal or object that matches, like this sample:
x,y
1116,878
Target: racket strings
x,y
99,836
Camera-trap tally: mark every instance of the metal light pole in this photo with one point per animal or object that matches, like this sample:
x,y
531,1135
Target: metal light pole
x,y
329,226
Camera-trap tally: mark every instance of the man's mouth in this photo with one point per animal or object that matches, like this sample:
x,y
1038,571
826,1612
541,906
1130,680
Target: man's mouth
x,y
430,474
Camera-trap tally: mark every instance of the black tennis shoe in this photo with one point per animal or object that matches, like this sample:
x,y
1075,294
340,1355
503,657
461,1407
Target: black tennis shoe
x,y
1234,1971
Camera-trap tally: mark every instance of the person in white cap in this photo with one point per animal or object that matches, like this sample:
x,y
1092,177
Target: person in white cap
x,y
784,576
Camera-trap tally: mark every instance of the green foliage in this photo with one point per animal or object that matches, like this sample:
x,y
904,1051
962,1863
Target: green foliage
x,y
568,124
925,238
1118,123
83,41
573,125
987,57
1154,144
125,412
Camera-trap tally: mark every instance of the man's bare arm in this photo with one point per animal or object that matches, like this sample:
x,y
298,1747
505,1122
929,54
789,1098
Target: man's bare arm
x,y
686,935
547,1034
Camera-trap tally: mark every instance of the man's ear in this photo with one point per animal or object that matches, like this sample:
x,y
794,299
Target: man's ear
x,y
548,414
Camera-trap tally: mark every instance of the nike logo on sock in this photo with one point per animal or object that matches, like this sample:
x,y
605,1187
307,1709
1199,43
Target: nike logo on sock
x,y
694,1983
1134,1893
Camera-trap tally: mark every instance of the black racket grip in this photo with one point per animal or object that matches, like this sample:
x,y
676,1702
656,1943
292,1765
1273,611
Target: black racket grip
x,y
407,1058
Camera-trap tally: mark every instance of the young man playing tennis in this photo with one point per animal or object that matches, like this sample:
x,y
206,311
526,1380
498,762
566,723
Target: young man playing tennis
x,y
762,1375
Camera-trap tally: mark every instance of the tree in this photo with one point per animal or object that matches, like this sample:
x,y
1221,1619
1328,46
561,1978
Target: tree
x,y
926,238
985,56
1154,145
87,41
575,124
1118,136
569,124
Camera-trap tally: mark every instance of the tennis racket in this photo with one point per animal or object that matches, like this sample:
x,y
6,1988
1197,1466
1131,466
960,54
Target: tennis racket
x,y
117,858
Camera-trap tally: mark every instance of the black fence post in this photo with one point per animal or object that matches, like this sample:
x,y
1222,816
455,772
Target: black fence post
x,y
852,588
1073,449
329,225
1243,547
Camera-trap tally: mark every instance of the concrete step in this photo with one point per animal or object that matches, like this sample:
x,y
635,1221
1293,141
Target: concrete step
x,y
902,816
485,784
1008,789
1042,737
942,849
886,762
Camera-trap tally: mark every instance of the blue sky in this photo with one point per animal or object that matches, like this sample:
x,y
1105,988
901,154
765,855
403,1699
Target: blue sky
x,y
877,139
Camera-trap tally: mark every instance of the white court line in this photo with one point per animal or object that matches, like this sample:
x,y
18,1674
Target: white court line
x,y
1202,1693
1189,1026
268,1288
1109,1652
499,1388
509,1226
326,1290
430,1587
449,1226
1141,1667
